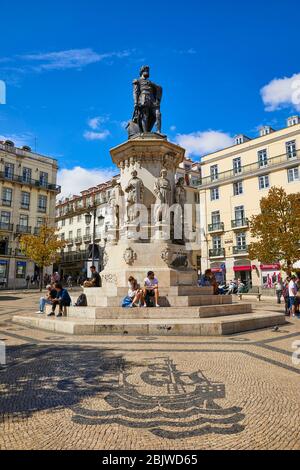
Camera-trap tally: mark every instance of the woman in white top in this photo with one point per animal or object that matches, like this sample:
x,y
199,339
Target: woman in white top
x,y
135,293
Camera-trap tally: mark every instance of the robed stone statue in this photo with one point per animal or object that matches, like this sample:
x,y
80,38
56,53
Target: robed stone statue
x,y
147,98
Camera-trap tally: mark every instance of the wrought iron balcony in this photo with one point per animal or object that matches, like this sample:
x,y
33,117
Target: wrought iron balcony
x,y
23,229
217,253
87,238
217,227
240,250
74,256
7,202
6,227
78,240
284,160
69,241
29,182
240,223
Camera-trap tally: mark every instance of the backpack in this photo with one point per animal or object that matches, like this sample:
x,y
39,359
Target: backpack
x,y
126,302
81,301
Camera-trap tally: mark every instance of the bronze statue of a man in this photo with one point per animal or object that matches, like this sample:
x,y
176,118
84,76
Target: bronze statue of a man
x,y
147,97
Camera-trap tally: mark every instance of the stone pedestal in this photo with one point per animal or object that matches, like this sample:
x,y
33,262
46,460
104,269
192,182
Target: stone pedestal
x,y
146,245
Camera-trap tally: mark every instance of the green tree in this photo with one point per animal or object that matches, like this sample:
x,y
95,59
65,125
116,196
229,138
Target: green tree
x,y
277,229
42,248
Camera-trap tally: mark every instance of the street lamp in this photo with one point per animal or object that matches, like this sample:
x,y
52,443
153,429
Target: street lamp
x,y
88,220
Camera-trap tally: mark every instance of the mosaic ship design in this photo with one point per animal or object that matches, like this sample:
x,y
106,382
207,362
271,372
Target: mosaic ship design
x,y
183,405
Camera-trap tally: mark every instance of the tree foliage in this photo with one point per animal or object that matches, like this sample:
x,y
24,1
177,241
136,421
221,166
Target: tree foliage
x,y
277,229
42,248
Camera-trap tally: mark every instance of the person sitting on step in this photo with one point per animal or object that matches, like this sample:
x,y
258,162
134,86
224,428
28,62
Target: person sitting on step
x,y
135,293
62,300
151,289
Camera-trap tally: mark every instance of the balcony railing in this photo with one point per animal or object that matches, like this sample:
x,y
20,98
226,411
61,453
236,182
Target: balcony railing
x,y
29,182
283,160
78,240
240,223
240,250
217,253
74,256
69,241
217,227
87,238
23,229
6,202
6,227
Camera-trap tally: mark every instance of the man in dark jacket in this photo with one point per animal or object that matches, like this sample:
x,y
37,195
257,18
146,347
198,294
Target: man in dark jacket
x,y
62,300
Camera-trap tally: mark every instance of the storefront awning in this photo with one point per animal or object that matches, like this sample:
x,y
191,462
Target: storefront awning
x,y
270,267
242,268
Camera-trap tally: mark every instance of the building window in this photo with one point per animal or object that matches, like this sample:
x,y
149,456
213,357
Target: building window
x,y
23,220
237,188
197,198
215,218
43,178
70,235
214,194
237,165
7,197
264,182
291,149
262,158
5,219
25,200
71,221
87,231
241,241
42,204
79,233
214,172
217,243
239,214
9,170
79,217
27,175
293,174
63,222
62,236
40,221
20,269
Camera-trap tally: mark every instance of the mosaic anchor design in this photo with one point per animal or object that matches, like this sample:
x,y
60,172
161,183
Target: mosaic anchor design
x,y
184,402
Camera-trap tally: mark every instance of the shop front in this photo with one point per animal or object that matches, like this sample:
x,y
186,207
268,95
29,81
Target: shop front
x,y
219,270
243,271
270,274
3,274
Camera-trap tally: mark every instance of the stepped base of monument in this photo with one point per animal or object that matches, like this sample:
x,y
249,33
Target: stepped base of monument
x,y
171,321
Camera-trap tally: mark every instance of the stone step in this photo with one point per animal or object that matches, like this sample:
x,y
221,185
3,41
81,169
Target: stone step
x,y
163,312
218,326
167,301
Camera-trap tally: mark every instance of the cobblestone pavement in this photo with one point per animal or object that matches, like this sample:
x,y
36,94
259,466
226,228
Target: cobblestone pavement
x,y
108,392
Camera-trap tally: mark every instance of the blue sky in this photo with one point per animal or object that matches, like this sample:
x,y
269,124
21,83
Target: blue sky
x,y
225,66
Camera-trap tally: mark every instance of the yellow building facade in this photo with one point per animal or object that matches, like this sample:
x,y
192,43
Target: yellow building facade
x,y
233,181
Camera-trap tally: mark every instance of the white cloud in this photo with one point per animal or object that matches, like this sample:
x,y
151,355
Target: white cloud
x,y
77,179
70,59
201,143
19,139
91,135
95,123
281,93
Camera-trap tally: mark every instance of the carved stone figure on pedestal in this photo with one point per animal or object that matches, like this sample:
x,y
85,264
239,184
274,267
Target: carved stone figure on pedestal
x,y
135,195
162,190
180,193
114,212
147,97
